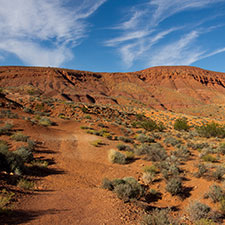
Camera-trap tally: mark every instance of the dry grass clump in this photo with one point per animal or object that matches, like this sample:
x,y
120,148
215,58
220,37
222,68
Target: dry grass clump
x,y
116,157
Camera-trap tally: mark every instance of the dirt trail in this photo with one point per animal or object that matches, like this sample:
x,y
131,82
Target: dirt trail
x,y
74,196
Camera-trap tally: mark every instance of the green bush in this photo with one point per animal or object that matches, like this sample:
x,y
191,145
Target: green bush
x,y
151,125
116,157
208,158
174,186
181,124
211,130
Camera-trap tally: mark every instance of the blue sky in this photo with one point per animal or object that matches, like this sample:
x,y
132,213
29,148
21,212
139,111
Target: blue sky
x,y
113,35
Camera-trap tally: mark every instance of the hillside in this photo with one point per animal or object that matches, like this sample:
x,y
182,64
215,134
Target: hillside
x,y
175,88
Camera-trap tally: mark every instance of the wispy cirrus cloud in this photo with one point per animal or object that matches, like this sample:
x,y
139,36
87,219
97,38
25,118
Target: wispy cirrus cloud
x,y
42,32
143,38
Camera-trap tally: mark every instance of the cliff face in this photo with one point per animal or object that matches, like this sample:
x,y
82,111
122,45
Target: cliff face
x,y
169,87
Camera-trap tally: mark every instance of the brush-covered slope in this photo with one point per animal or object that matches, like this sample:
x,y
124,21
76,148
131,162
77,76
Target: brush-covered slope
x,y
168,87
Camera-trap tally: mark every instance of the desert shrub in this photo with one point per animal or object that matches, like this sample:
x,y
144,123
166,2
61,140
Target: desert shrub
x,y
150,169
174,186
208,158
123,147
151,125
25,184
156,153
211,130
197,211
196,146
172,141
148,177
158,217
181,124
205,222
142,149
39,163
202,169
31,145
18,136
221,149
107,184
127,189
216,193
8,114
44,121
86,128
129,155
143,138
222,205
126,139
182,153
218,173
25,154
6,129
5,198
116,157
28,110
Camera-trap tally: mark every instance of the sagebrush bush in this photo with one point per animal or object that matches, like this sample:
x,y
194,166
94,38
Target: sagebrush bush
x,y
216,193
144,138
123,147
174,186
127,189
197,211
218,173
5,130
116,157
126,139
202,169
156,153
158,217
25,154
18,136
181,124
182,153
172,141
221,149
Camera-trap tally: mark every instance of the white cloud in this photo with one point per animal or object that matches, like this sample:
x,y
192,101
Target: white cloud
x,y
180,52
142,36
27,26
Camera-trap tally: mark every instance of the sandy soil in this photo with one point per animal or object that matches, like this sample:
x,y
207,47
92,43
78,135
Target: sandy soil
x,y
72,195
